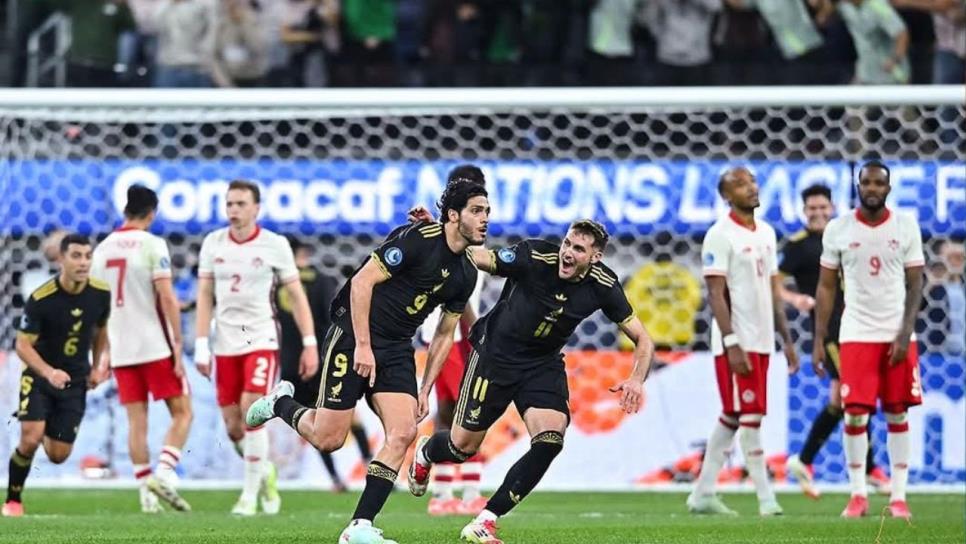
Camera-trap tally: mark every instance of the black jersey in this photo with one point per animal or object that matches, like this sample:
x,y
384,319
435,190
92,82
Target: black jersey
x,y
423,273
537,311
800,260
64,323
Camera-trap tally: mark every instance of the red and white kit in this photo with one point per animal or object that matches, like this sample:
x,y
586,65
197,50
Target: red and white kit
x,y
747,259
131,260
245,273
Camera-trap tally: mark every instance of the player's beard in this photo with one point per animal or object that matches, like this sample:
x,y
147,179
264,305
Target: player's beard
x,y
467,234
872,206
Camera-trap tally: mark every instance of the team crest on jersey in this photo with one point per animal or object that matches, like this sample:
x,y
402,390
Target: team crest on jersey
x,y
507,255
748,396
394,256
854,245
746,249
219,260
257,262
893,244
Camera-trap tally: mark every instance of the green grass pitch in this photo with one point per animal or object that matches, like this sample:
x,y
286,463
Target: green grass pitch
x,y
81,516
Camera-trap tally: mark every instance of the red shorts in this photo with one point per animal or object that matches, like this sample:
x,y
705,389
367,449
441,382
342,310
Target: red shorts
x,y
743,394
250,372
157,377
450,377
867,375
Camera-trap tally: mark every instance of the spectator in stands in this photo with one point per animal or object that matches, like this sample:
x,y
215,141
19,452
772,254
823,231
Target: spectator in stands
x,y
310,31
97,27
186,42
949,22
682,29
370,34
880,37
610,41
742,53
241,46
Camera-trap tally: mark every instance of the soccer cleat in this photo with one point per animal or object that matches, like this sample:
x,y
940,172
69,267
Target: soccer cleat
x,y
418,472
472,507
149,501
857,507
245,507
167,493
12,509
770,508
268,490
710,504
480,532
357,533
899,509
880,481
444,507
806,479
263,409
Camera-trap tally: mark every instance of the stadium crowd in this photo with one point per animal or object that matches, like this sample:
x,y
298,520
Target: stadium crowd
x,y
319,43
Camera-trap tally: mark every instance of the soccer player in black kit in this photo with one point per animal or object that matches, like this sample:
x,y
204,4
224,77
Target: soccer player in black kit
x,y
369,347
517,357
63,322
800,260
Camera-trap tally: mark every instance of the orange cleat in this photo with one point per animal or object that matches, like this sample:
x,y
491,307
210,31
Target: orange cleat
x,y
444,507
899,509
12,509
858,506
473,507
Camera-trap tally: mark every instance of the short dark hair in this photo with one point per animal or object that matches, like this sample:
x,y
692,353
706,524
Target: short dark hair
x,y
728,172
817,190
464,183
78,239
466,173
876,163
245,185
140,202
594,229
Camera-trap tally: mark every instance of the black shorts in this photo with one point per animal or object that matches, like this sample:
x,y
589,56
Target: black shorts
x,y
341,386
832,361
306,392
62,410
487,389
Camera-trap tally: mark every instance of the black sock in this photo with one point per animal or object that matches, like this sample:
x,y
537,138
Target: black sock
x,y
440,449
330,466
290,411
359,433
826,422
17,475
526,473
379,482
869,457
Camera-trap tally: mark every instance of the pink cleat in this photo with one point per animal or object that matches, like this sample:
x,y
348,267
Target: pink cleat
x,y
880,481
899,509
443,507
472,507
858,506
480,532
13,509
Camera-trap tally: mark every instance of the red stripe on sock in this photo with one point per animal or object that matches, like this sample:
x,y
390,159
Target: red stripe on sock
x,y
855,465
750,424
168,451
441,478
252,459
898,427
142,473
727,424
470,477
756,453
855,431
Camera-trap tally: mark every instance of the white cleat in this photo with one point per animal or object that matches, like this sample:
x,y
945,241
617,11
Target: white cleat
x,y
358,533
803,474
246,507
770,508
263,409
710,504
418,472
149,501
480,532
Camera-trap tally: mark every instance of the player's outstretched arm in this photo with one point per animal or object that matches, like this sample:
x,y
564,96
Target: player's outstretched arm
x,y
911,307
824,300
203,325
29,355
360,294
737,358
483,259
632,389
439,348
171,310
309,361
781,323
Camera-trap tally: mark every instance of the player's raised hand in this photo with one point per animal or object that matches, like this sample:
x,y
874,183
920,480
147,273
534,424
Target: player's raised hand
x,y
422,405
898,350
308,363
365,363
792,357
738,361
818,359
58,378
632,395
99,374
419,213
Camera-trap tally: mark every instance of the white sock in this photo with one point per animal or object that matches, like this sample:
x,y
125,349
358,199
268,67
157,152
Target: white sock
x,y
856,448
714,455
141,474
486,515
897,444
443,481
168,460
470,478
749,438
256,453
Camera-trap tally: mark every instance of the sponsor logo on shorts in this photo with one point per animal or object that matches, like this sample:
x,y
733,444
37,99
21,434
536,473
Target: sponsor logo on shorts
x,y
474,415
507,255
335,392
748,396
394,256
845,390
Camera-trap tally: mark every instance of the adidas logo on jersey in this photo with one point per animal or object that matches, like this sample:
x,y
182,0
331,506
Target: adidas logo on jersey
x,y
560,297
76,312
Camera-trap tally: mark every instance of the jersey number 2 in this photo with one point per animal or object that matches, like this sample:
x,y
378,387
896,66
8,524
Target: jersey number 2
x,y
121,266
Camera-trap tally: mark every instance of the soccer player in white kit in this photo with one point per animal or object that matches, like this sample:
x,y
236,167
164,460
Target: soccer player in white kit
x,y
144,333
239,267
744,290
880,256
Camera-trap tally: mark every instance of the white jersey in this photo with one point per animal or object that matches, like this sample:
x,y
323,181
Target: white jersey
x,y
245,274
873,259
130,261
428,328
747,258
